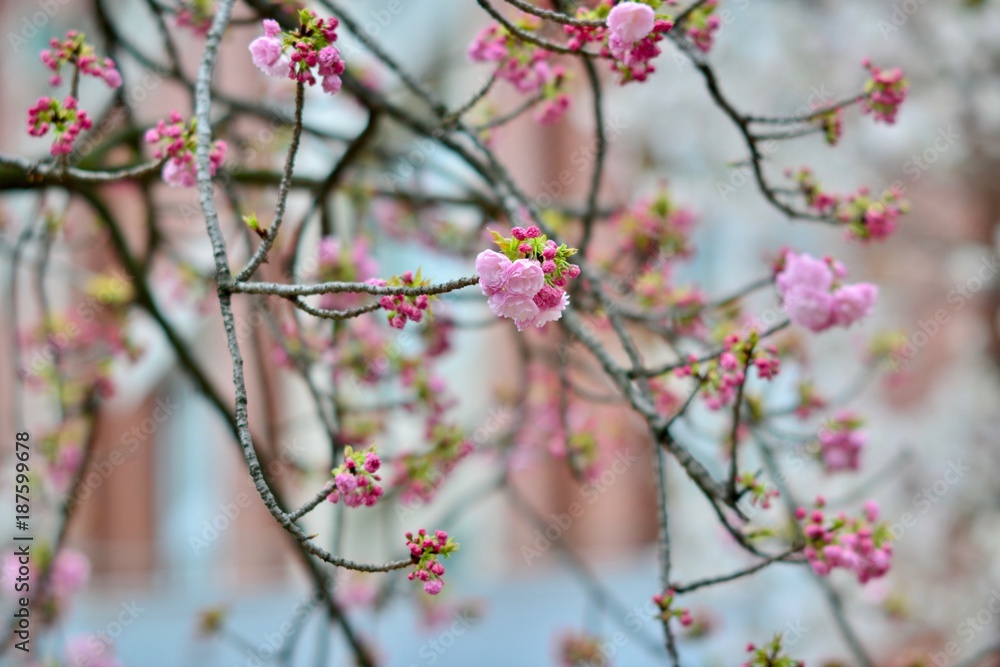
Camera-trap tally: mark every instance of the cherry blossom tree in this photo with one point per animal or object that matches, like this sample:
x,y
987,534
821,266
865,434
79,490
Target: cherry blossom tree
x,y
586,291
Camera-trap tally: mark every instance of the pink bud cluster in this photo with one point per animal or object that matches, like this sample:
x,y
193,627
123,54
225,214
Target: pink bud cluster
x,y
176,142
581,35
665,602
655,225
75,51
721,377
634,33
431,394
771,654
832,124
809,400
865,217
816,197
196,15
420,475
655,289
761,493
525,281
356,480
885,92
556,102
576,650
814,296
400,308
65,118
424,551
296,54
528,68
702,24
841,442
343,262
859,545
868,218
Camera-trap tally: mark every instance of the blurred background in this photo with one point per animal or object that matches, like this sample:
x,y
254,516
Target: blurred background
x,y
173,529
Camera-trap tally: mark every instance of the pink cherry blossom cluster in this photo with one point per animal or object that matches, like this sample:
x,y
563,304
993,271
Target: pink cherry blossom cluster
x,y
816,198
721,377
556,102
195,15
866,218
885,92
527,67
65,118
809,400
420,475
655,289
525,281
524,65
702,24
760,491
859,545
581,35
771,654
582,439
176,142
399,308
814,296
437,336
655,225
665,603
299,344
425,550
576,649
75,51
343,262
430,389
295,54
360,351
86,339
841,442
634,33
356,480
